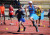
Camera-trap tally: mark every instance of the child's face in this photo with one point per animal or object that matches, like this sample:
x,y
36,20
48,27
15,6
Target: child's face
x,y
10,5
30,4
38,8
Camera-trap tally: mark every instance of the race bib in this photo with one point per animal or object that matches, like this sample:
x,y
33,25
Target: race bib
x,y
11,11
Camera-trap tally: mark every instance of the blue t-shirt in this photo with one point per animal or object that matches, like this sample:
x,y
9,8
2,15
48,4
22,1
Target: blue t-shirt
x,y
31,10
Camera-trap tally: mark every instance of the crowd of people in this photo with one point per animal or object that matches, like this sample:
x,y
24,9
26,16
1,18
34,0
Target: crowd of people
x,y
34,11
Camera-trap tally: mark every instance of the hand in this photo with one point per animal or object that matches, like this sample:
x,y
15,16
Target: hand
x,y
14,15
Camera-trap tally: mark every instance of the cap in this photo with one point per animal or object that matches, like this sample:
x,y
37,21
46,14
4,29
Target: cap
x,y
30,2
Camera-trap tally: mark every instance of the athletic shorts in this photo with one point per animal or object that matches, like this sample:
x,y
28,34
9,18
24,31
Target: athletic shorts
x,y
39,17
21,19
11,16
34,16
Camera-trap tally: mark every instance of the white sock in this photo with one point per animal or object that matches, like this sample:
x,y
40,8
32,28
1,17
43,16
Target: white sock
x,y
1,22
38,24
11,24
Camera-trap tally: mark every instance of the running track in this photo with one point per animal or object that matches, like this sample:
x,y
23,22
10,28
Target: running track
x,y
12,30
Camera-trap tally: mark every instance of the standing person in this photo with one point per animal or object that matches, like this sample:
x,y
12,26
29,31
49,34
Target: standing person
x,y
2,13
39,14
33,16
20,18
11,13
49,17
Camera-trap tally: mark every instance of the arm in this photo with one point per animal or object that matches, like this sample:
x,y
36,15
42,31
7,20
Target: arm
x,y
39,7
22,13
4,10
26,10
16,13
13,11
36,6
0,10
9,11
41,10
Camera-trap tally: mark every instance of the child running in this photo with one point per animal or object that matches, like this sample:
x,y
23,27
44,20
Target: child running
x,y
2,13
31,9
20,18
38,12
11,14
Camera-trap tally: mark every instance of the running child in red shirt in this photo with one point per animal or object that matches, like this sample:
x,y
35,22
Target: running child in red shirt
x,y
11,14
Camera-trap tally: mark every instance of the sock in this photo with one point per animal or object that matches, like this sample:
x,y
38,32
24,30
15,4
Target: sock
x,y
33,23
1,22
19,27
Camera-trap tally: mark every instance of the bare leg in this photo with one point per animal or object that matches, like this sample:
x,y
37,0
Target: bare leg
x,y
1,19
36,21
19,26
4,20
39,22
34,24
22,25
11,20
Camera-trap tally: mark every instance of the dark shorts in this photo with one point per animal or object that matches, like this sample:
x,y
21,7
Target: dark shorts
x,y
39,17
21,19
11,16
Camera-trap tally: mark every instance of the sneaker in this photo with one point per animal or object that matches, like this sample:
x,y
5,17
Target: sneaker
x,y
24,28
11,24
18,31
1,23
4,23
48,26
37,30
39,25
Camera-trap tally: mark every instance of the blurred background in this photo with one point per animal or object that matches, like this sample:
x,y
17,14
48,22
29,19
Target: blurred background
x,y
45,4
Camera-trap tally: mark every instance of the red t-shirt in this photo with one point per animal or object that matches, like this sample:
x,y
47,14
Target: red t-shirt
x,y
11,11
2,9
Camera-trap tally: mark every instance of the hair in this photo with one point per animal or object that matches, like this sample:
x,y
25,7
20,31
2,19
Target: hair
x,y
2,4
10,4
20,4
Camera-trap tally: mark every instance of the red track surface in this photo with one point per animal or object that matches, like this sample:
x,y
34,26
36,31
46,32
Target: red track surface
x,y
13,29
